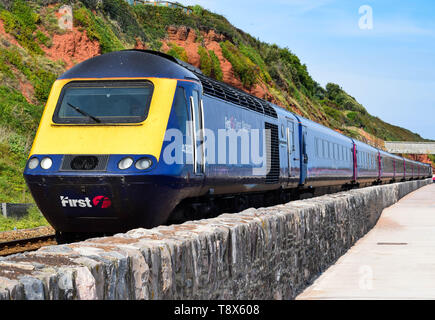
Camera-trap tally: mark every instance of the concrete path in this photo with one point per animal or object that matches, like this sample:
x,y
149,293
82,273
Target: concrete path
x,y
395,260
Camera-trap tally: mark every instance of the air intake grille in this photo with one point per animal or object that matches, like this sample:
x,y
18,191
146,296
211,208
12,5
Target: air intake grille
x,y
74,162
225,92
272,153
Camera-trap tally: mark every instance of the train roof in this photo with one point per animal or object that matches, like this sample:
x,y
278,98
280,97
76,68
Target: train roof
x,y
132,64
136,63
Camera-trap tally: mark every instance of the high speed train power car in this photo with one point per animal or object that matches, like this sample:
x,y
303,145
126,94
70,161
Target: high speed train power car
x,y
137,138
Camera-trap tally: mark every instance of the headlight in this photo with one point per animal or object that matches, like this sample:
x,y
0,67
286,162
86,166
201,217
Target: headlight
x,y
143,164
46,163
125,163
33,163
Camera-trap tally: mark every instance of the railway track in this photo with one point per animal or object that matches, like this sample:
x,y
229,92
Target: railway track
x,y
26,244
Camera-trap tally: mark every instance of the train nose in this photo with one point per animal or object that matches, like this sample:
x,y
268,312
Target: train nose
x,y
103,203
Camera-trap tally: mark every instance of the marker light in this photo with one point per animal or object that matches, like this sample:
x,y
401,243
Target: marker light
x,y
143,164
125,163
33,163
46,163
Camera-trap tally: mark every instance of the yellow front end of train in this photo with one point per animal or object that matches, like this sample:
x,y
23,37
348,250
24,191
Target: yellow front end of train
x,y
145,137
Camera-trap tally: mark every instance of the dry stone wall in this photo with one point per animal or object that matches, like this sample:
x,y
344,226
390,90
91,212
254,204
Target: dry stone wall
x,y
266,253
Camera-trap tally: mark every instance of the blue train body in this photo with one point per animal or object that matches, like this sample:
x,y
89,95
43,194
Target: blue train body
x,y
223,149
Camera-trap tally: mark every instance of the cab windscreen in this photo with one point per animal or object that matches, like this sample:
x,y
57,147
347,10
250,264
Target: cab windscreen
x,y
104,102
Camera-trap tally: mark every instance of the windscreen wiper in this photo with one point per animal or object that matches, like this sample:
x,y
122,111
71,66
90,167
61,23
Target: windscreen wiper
x,y
84,113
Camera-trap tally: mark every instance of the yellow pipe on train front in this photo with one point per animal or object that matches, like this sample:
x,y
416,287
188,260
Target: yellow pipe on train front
x,y
143,138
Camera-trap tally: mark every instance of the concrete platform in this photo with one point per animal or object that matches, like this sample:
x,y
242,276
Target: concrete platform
x,y
395,260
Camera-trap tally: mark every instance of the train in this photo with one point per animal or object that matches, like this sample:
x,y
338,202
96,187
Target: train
x,y
138,138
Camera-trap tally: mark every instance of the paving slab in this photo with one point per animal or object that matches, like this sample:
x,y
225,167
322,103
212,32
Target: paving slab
x,y
394,260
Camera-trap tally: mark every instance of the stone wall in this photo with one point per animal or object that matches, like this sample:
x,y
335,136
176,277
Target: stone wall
x,y
266,253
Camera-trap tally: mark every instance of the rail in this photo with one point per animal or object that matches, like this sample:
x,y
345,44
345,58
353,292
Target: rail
x,y
26,244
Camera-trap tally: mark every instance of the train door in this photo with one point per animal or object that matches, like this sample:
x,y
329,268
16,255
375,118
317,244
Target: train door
x,y
303,153
355,162
291,148
381,165
197,129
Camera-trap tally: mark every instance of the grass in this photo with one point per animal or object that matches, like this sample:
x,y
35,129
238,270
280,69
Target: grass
x,y
33,219
18,122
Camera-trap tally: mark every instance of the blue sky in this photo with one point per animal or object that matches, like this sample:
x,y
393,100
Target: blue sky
x,y
390,69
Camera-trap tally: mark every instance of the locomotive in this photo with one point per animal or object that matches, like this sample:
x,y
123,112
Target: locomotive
x,y
137,138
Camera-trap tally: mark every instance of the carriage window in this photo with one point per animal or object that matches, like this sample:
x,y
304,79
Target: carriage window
x,y
181,109
331,150
95,102
318,148
196,110
325,149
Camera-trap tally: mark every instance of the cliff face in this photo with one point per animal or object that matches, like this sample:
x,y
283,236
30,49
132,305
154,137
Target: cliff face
x,y
188,39
35,49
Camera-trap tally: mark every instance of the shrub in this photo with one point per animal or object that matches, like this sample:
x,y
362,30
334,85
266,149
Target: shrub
x,y
216,70
41,79
244,68
298,71
43,39
198,10
209,63
205,61
333,113
97,29
177,52
255,57
18,122
122,12
20,21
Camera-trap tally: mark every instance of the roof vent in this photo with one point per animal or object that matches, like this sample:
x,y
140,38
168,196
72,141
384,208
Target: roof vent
x,y
228,93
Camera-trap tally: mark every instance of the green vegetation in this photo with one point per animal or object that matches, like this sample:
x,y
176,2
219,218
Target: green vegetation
x,y
209,63
216,71
357,116
18,123
246,70
177,52
255,57
33,219
97,29
41,79
20,21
